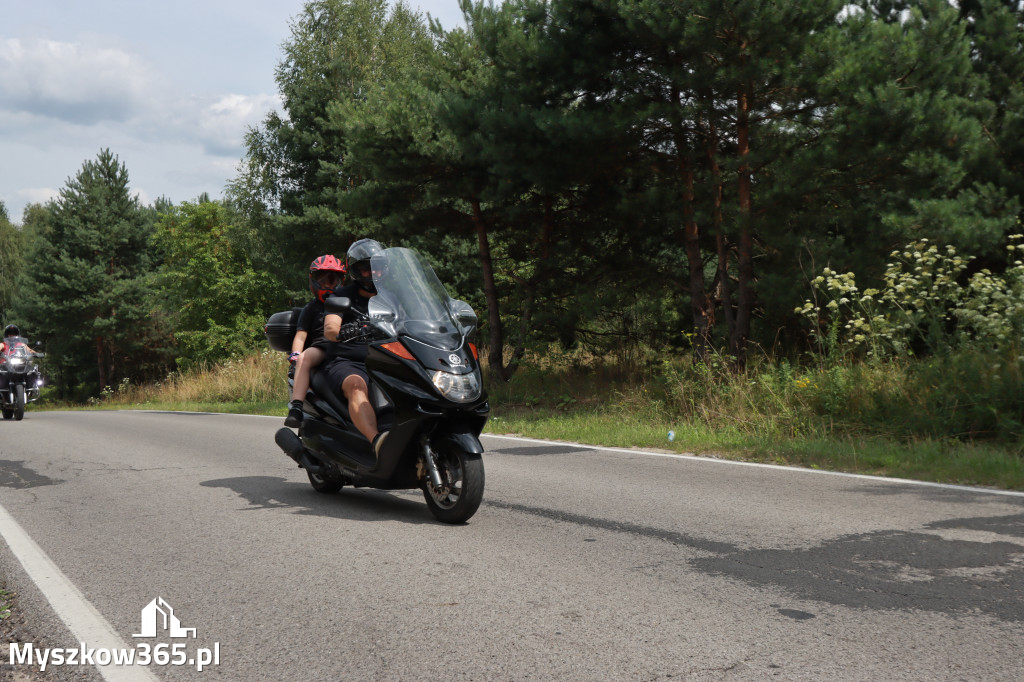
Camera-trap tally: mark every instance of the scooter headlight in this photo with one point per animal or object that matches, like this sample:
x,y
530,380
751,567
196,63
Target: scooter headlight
x,y
459,388
17,362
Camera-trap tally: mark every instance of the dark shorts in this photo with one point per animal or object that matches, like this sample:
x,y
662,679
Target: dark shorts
x,y
342,368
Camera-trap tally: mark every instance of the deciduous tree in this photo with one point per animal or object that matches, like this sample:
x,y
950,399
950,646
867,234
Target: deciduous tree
x,y
338,53
216,299
11,260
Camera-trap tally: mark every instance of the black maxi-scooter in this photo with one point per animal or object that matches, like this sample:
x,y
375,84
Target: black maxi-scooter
x,y
425,386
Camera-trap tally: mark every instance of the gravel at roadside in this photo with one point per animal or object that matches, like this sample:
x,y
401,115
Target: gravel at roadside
x,y
15,628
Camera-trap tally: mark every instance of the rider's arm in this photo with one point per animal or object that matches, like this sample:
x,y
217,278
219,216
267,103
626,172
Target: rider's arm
x,y
299,342
302,327
332,327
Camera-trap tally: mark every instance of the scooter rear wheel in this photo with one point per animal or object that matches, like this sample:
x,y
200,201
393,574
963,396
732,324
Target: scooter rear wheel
x,y
463,490
323,484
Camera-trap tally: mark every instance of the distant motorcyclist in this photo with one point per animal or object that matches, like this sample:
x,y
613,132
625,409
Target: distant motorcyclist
x,y
347,368
12,339
12,336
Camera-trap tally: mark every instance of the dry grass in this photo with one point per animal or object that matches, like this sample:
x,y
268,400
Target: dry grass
x,y
952,420
257,379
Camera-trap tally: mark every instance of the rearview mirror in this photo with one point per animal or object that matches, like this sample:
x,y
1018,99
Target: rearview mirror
x,y
463,312
337,305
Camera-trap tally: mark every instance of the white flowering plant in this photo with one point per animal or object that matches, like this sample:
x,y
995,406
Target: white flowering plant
x,y
923,304
993,308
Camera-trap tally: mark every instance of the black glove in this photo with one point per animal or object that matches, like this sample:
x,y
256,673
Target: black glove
x,y
352,331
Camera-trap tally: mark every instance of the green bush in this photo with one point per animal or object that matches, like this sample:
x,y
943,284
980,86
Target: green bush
x,y
969,395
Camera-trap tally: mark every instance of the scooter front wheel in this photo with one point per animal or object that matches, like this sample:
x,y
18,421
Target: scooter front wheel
x,y
462,474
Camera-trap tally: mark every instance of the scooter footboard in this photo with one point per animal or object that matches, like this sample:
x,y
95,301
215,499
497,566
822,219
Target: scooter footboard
x,y
338,445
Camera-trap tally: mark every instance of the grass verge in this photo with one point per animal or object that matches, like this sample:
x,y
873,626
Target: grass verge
x,y
891,420
940,461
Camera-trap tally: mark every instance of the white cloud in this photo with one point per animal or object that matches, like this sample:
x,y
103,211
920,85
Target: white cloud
x,y
94,87
72,82
224,121
37,195
157,85
143,197
63,102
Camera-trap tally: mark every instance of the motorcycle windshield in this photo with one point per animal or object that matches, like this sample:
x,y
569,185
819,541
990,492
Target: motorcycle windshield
x,y
412,300
15,346
15,357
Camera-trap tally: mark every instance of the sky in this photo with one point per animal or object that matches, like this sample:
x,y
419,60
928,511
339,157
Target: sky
x,y
169,87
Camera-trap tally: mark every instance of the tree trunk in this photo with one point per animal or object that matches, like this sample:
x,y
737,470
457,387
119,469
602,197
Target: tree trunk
x,y
745,258
724,291
530,288
495,357
101,365
699,301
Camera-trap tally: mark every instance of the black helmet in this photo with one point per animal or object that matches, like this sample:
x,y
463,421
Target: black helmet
x,y
358,261
11,330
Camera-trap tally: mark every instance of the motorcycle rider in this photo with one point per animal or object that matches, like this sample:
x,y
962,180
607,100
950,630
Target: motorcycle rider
x,y
347,367
12,336
310,347
11,332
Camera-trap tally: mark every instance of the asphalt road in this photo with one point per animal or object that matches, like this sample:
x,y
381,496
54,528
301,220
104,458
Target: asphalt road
x,y
581,564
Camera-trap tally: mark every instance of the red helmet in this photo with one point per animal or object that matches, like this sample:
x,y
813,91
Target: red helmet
x,y
328,263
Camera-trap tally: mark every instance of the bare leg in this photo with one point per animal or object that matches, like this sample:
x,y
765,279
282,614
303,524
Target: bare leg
x,y
363,416
308,359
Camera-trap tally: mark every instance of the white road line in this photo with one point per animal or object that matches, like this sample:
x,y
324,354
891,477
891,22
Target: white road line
x,y
81,617
717,460
777,467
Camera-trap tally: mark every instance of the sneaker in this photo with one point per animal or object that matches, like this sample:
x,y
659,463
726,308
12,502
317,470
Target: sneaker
x,y
378,441
294,419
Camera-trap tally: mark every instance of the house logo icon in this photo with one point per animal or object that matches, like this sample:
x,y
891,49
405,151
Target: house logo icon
x,y
158,615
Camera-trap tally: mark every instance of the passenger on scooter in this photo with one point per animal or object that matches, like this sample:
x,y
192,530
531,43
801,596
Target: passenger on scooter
x,y
347,367
310,346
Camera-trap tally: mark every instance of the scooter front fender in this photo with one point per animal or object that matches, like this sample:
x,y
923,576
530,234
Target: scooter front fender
x,y
467,442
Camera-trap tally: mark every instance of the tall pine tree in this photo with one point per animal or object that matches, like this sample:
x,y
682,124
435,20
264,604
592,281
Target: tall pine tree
x,y
87,290
487,145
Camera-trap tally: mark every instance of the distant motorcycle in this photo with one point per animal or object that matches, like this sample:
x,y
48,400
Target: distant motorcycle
x,y
425,387
20,380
